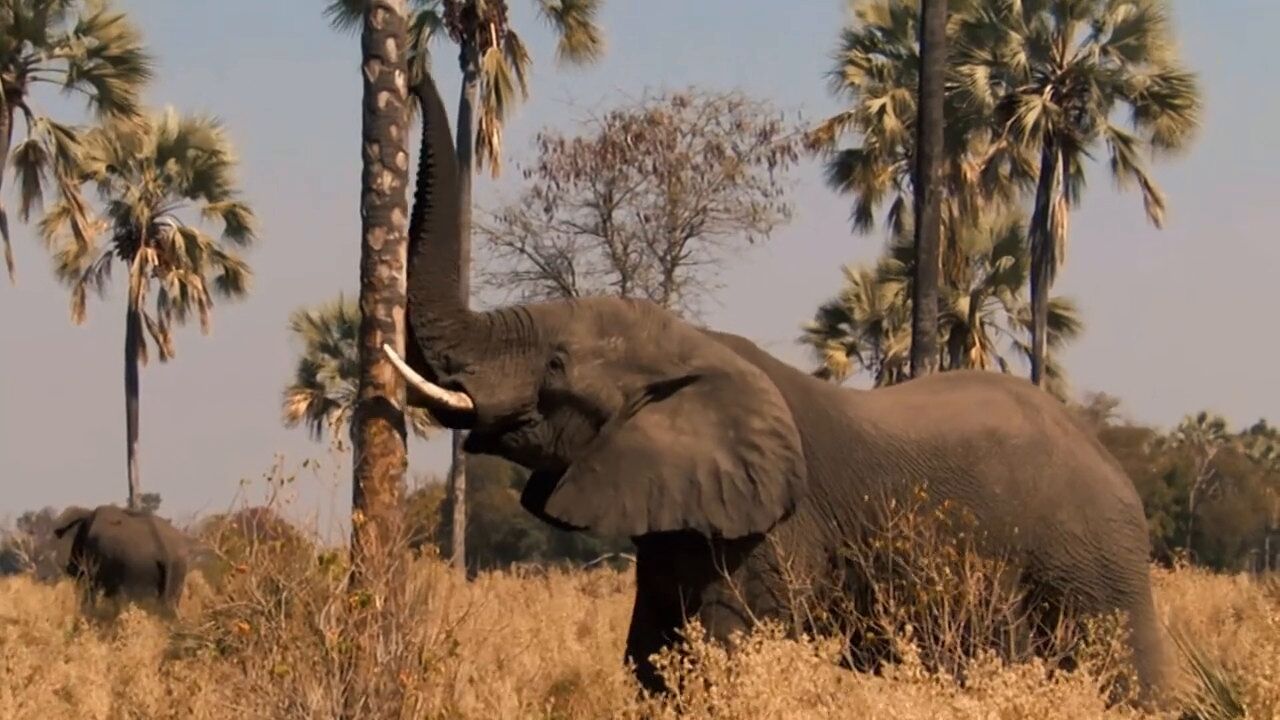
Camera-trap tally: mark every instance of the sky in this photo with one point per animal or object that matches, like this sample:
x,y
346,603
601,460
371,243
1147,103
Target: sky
x,y
1175,319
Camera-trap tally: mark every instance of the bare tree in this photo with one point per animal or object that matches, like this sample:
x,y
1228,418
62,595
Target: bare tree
x,y
648,200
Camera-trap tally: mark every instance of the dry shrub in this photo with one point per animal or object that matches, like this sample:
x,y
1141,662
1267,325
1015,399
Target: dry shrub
x,y
924,581
269,639
770,676
1226,633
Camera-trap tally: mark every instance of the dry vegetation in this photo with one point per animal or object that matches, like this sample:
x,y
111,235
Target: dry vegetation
x,y
261,636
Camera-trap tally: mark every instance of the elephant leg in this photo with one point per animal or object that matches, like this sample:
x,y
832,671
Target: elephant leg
x,y
679,577
652,630
664,600
1147,644
1055,602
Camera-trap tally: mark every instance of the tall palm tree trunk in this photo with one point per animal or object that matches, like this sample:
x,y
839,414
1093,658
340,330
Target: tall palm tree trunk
x,y
928,188
1042,257
378,429
6,143
132,347
457,483
378,425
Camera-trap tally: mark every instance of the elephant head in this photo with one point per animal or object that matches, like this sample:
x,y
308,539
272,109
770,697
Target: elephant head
x,y
71,518
631,421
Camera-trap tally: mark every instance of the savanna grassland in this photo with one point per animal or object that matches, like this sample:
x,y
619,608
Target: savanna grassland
x,y
262,636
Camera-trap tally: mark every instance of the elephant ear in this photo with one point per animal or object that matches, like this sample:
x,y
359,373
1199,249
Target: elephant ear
x,y
712,449
69,518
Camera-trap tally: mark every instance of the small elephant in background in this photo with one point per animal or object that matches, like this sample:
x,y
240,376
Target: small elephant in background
x,y
123,555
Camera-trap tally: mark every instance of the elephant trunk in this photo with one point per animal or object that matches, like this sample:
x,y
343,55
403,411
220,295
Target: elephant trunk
x,y
444,338
437,311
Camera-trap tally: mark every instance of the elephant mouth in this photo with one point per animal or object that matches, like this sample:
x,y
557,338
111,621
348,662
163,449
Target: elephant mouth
x,y
452,406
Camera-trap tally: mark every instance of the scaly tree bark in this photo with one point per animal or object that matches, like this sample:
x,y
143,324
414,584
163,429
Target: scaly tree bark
x,y
928,187
378,426
378,429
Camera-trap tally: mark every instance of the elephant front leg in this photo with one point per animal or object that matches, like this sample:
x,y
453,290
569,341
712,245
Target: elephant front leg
x,y
651,632
665,598
678,578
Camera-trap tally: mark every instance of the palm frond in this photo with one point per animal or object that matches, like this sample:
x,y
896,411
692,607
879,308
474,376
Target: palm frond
x,y
345,16
500,91
105,56
578,37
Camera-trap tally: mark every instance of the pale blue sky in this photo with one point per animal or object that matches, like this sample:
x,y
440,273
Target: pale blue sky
x,y
1177,319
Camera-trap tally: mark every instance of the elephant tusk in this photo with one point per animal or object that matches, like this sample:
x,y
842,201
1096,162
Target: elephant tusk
x,y
451,399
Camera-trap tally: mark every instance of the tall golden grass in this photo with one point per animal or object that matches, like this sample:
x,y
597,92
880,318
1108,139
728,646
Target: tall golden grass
x,y
549,645
262,633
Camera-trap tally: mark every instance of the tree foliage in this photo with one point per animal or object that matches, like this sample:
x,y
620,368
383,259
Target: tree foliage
x,y
648,200
869,148
983,314
82,48
157,180
1226,526
1034,89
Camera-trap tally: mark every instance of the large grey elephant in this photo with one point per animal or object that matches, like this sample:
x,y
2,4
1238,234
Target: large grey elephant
x,y
719,460
124,555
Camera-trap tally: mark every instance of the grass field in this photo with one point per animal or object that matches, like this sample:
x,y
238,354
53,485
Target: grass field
x,y
268,644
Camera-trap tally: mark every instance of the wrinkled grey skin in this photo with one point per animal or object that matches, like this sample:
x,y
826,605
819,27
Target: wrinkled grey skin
x,y
714,456
123,555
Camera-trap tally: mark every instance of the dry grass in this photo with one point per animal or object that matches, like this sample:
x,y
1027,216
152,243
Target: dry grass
x,y
269,642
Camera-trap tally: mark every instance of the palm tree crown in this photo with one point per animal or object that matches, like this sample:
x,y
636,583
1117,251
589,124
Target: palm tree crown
x,y
876,71
83,48
152,179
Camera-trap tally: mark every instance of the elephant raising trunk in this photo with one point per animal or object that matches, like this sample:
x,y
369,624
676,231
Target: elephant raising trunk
x,y
730,469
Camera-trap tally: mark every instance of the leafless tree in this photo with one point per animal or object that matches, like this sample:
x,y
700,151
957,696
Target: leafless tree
x,y
648,200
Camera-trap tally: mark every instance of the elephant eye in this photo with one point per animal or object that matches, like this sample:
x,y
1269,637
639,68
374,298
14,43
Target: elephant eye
x,y
556,363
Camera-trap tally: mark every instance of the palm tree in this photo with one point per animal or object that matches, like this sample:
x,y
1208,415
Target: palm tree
x,y
83,48
495,66
983,321
326,379
1055,73
927,182
155,178
876,72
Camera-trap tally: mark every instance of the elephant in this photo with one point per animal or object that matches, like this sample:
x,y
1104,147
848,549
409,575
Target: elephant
x,y
123,555
713,456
